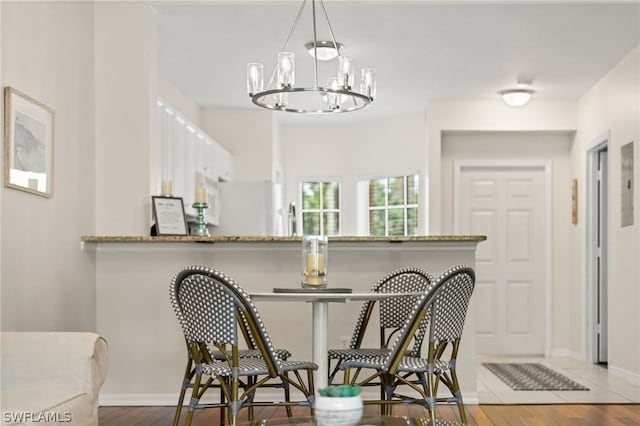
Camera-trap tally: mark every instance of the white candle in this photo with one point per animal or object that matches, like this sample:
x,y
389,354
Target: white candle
x,y
201,195
167,187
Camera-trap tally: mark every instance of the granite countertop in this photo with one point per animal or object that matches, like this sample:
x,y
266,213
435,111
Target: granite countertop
x,y
254,239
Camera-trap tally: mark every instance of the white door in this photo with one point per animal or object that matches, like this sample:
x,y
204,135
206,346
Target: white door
x,y
507,204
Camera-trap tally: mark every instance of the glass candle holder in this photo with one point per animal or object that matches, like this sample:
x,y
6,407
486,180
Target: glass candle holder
x,y
286,70
255,79
314,261
333,101
368,82
345,71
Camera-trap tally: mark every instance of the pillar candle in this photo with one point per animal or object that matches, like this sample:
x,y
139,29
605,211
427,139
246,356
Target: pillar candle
x,y
167,187
201,195
315,268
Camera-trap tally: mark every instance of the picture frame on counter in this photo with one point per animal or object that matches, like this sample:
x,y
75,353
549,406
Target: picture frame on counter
x,y
28,143
168,215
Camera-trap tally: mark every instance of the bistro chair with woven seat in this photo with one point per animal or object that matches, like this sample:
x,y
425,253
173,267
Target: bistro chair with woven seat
x,y
393,314
252,351
190,371
209,306
446,304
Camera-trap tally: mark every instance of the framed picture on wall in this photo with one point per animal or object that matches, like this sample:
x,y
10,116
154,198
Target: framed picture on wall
x,y
28,143
168,214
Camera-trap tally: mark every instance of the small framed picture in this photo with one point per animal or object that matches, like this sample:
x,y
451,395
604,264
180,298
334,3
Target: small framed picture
x,y
28,144
168,213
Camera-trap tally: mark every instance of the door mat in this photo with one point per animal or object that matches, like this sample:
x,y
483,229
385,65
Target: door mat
x,y
532,376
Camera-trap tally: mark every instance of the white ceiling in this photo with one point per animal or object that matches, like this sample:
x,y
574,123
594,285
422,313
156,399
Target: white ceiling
x,y
422,50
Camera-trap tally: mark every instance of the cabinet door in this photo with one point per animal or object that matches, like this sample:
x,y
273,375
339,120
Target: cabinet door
x,y
222,163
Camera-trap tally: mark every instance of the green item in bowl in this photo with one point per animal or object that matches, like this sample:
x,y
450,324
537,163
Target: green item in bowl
x,y
340,391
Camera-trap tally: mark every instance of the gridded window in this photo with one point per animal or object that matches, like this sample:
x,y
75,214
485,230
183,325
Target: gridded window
x,y
393,206
321,208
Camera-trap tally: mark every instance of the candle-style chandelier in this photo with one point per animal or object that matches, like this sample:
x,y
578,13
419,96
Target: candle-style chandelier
x,y
338,95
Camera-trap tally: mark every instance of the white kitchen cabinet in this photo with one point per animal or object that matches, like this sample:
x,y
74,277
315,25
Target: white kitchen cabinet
x,y
190,158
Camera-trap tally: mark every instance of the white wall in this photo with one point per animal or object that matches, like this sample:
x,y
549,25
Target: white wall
x,y
550,146
48,283
491,116
353,152
612,105
179,101
126,87
248,136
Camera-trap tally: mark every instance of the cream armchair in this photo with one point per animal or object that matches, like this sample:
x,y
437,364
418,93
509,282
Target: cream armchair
x,y
51,377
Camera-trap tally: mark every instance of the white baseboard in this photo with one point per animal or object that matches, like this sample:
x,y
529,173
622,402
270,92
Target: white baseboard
x,y
566,353
624,374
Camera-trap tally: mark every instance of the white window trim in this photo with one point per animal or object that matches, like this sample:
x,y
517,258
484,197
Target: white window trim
x,y
300,210
405,206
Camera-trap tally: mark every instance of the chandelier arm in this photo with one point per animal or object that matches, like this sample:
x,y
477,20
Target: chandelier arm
x,y
333,37
315,43
260,99
286,42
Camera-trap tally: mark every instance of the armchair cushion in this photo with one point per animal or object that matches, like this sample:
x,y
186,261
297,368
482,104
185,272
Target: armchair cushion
x,y
53,375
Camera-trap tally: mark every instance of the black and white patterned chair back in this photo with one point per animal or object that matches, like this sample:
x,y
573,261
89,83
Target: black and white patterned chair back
x,y
205,308
449,309
207,301
426,306
394,311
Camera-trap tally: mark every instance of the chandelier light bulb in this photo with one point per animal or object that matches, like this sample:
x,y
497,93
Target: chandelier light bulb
x,y
368,82
286,69
345,71
333,99
281,99
255,78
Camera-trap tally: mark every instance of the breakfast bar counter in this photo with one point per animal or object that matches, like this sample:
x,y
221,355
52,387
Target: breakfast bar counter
x,y
147,350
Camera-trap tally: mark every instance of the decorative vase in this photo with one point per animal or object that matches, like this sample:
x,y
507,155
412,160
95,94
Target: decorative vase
x,y
338,410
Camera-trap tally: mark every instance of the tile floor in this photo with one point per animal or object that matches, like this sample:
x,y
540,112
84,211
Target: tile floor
x,y
604,387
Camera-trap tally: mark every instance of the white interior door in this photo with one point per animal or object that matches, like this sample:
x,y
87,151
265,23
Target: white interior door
x,y
507,204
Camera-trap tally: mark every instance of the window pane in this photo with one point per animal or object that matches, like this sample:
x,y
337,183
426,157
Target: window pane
x,y
412,189
412,221
311,223
376,192
311,195
396,222
331,223
396,191
330,194
376,223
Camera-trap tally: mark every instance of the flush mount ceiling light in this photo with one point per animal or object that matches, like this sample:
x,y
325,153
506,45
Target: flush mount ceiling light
x,y
326,50
338,95
516,97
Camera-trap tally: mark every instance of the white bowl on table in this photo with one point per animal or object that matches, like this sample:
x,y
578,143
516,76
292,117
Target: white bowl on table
x,y
337,410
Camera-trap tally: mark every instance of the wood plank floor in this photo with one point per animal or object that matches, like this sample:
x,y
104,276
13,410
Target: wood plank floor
x,y
530,415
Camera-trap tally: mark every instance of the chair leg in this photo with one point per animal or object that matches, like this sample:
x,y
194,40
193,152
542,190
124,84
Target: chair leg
x,y
458,395
287,395
186,382
194,399
430,399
